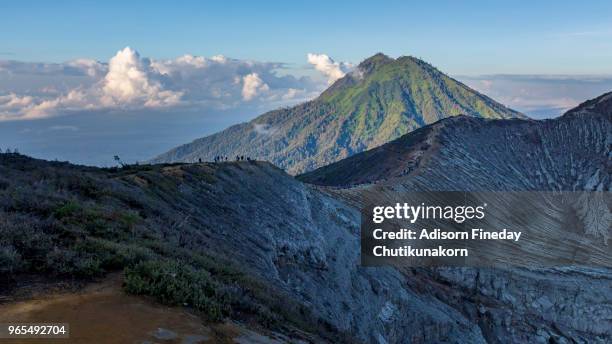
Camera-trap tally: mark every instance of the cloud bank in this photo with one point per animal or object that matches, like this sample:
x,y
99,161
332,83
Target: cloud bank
x,y
540,96
131,82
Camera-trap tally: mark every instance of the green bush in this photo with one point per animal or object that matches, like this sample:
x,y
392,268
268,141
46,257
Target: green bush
x,y
174,283
129,219
69,262
112,255
67,209
88,266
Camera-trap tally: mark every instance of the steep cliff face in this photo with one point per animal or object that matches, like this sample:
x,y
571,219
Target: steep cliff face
x,y
307,243
569,153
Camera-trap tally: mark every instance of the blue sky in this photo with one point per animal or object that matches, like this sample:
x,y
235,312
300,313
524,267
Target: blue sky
x,y
460,37
85,80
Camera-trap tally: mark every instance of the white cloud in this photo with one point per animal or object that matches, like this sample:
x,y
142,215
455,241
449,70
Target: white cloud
x,y
326,65
14,101
219,58
252,86
91,67
357,73
292,93
128,81
263,129
75,100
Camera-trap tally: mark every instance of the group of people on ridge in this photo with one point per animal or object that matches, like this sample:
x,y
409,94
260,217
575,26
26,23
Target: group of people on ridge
x,y
220,158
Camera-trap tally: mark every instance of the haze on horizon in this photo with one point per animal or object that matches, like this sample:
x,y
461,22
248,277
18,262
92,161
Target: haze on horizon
x,y
83,82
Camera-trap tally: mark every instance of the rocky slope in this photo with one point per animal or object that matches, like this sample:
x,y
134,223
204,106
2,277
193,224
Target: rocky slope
x,y
247,241
296,248
569,153
381,100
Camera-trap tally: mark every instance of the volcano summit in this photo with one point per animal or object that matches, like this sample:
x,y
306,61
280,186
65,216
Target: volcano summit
x,y
379,101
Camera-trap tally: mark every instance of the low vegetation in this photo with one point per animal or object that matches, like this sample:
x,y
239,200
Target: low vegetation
x,y
80,223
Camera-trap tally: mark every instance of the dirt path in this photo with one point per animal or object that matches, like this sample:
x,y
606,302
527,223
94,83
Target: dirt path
x,y
103,313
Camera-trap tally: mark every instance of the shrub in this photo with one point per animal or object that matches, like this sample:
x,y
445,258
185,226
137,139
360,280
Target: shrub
x,y
69,262
67,209
88,266
174,283
112,255
10,260
129,219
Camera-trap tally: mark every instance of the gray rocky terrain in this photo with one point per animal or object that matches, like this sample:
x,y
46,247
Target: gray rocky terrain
x,y
301,240
570,304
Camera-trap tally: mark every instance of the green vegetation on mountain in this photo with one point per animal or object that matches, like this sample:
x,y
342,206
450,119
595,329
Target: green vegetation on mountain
x,y
382,99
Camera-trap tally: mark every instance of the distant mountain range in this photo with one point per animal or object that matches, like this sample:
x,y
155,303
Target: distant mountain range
x,y
381,100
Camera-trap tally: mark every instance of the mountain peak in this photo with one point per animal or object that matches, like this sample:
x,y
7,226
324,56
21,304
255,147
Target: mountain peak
x,y
382,99
378,58
373,62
